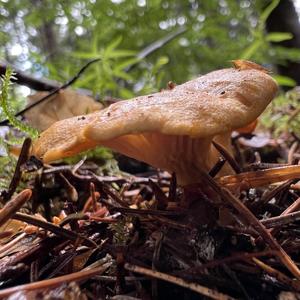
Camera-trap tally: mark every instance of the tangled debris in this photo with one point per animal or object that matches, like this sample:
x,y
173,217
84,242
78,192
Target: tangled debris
x,y
135,237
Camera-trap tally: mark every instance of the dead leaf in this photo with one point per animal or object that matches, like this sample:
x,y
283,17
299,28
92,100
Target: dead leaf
x,y
65,104
12,225
259,140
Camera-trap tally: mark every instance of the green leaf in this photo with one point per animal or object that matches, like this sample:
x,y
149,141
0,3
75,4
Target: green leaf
x,y
120,53
268,10
126,94
249,52
85,55
114,44
127,63
163,60
284,80
278,36
122,74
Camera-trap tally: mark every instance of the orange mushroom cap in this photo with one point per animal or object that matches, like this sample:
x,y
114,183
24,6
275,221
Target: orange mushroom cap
x,y
172,129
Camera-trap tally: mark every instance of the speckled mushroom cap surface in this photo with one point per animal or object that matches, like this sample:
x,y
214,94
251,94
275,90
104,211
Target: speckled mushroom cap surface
x,y
169,123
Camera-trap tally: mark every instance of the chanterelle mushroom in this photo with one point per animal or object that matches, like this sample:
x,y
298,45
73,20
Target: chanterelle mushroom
x,y
172,129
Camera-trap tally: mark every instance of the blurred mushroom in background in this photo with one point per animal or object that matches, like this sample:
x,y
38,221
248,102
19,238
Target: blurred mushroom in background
x,y
62,105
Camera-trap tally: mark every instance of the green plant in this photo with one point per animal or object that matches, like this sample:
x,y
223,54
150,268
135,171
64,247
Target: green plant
x,y
9,138
104,77
283,115
260,48
6,108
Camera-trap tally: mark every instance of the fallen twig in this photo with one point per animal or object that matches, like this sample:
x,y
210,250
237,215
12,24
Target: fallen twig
x,y
260,177
213,294
12,206
234,165
217,167
293,207
281,220
60,231
253,221
30,81
235,257
278,275
23,157
67,84
54,282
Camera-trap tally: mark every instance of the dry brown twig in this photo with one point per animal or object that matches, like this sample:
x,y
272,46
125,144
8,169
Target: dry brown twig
x,y
54,282
235,257
260,177
293,207
202,290
278,275
281,220
250,218
12,206
23,157
70,235
234,165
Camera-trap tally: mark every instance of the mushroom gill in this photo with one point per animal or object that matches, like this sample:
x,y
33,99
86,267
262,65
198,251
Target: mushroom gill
x,y
172,129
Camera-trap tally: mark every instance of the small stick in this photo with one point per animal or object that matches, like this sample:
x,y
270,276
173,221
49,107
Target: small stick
x,y
12,243
217,167
23,157
278,275
60,231
103,220
34,267
155,261
252,220
89,203
67,84
172,223
127,210
54,282
13,205
93,196
230,259
260,177
281,220
172,188
113,194
262,166
292,152
271,194
71,191
293,207
73,217
234,165
161,198
200,289
265,234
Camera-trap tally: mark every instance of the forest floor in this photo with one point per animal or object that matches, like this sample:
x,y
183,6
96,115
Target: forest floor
x,y
141,236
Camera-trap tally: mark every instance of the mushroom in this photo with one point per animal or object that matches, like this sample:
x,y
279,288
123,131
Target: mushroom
x,y
173,129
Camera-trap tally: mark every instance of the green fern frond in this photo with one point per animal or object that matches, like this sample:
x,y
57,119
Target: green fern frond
x,y
7,111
